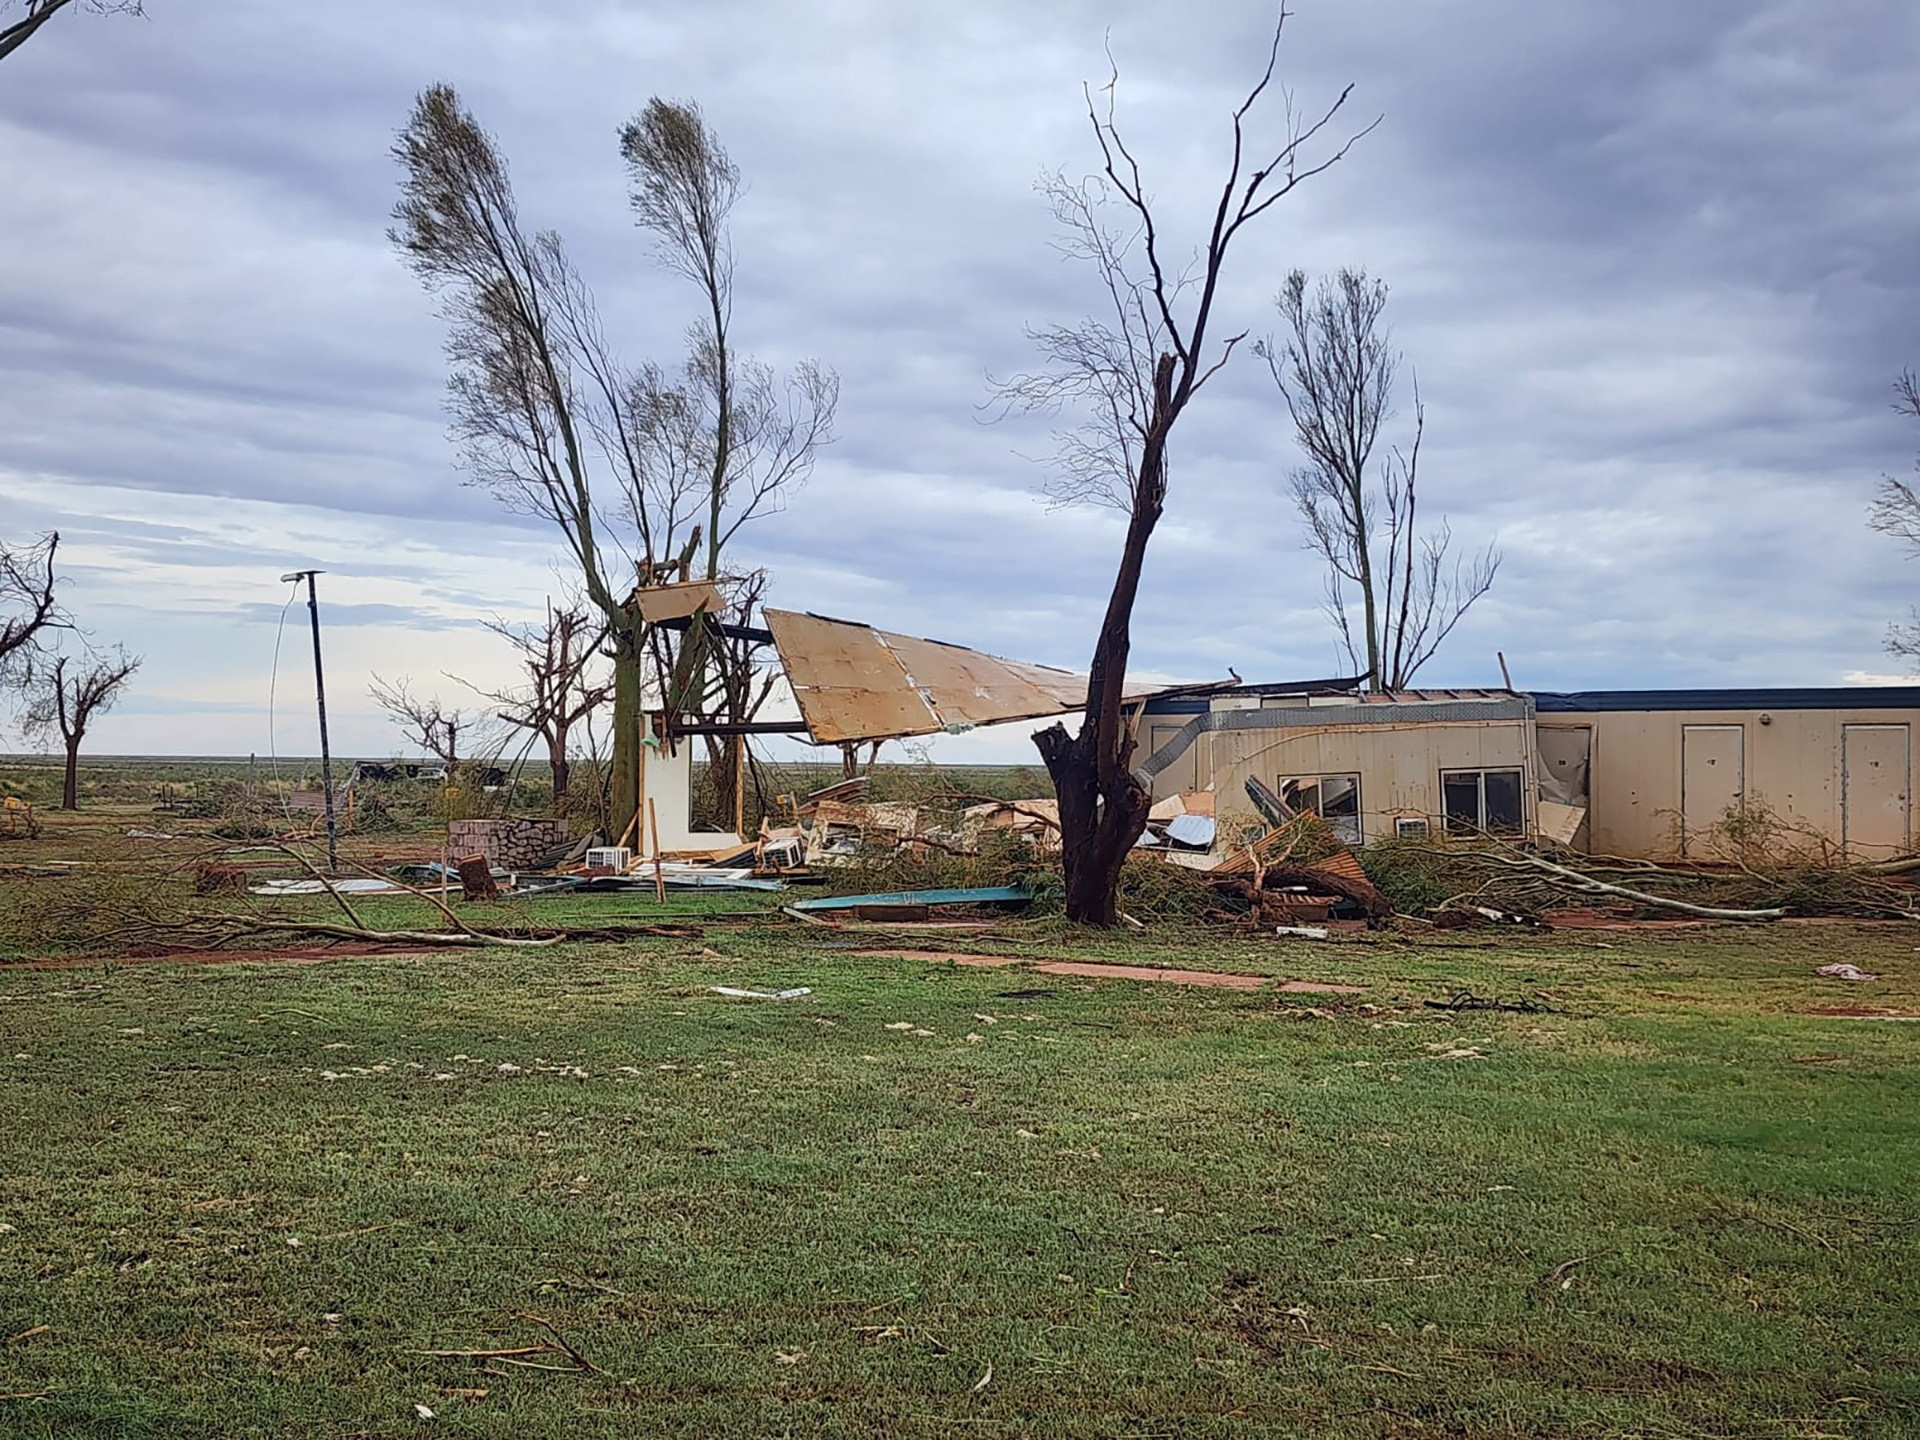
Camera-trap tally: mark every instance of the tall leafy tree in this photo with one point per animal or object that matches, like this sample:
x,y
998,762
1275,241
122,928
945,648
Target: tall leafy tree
x,y
647,472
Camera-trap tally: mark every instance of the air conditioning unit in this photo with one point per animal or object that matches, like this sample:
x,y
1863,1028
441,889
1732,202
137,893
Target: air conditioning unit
x,y
1411,827
613,857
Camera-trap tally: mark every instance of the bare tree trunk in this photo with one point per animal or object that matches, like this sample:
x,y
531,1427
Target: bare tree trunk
x,y
1105,364
1103,807
723,770
560,766
624,770
70,787
1372,617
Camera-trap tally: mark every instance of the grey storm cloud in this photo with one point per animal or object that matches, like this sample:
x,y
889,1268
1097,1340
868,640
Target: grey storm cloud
x,y
1650,262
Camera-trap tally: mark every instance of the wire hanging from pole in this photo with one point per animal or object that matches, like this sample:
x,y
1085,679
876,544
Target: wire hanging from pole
x,y
273,683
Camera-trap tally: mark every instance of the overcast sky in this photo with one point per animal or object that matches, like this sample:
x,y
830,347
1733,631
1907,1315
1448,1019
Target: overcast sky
x,y
1653,262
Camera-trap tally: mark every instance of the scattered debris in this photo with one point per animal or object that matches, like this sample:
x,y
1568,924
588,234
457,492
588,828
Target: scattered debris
x,y
1467,1000
349,886
476,878
797,993
917,900
1845,972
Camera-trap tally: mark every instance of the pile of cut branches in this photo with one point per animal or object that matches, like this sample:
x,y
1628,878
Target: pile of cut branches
x,y
1443,879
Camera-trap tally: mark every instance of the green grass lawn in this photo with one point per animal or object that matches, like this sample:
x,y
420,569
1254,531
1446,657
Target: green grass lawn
x,y
242,1199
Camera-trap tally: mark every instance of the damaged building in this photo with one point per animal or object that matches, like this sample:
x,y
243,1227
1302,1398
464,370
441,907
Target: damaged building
x,y
1643,774
1640,774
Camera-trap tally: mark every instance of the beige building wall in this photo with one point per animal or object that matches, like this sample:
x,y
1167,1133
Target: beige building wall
x,y
1661,781
1399,765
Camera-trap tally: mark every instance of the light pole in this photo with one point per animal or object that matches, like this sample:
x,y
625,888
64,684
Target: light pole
x,y
320,699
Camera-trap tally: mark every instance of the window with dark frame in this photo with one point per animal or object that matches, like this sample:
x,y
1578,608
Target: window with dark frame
x,y
1334,798
1488,801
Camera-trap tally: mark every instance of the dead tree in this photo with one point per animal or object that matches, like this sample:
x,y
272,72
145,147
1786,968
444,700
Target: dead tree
x,y
728,424
28,607
1896,512
1335,367
1134,371
67,696
558,694
425,721
15,33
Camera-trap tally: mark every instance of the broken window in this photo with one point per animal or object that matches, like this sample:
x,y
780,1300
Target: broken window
x,y
1484,800
1334,798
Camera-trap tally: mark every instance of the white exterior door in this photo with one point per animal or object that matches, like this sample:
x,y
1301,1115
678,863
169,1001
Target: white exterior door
x,y
1874,791
1713,781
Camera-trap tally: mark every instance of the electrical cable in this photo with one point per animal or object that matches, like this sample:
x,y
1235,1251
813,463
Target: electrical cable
x,y
273,682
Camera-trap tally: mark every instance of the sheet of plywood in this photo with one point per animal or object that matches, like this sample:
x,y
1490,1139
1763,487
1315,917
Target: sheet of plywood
x,y
854,682
1560,823
966,687
848,684
676,601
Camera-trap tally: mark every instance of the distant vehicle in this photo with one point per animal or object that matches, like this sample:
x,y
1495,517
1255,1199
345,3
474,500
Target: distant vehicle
x,y
489,777
374,770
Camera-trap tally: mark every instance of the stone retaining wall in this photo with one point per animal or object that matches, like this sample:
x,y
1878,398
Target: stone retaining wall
x,y
507,844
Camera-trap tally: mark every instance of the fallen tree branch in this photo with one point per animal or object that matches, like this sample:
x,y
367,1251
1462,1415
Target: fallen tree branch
x,y
1509,858
1589,885
408,937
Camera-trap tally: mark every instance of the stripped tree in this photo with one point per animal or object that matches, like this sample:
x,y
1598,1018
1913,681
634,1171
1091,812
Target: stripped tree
x,y
1134,371
620,459
1896,512
545,417
745,435
1335,367
559,691
67,695
425,721
16,32
28,607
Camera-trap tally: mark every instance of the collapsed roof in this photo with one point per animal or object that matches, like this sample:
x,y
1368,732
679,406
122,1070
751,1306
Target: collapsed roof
x,y
857,683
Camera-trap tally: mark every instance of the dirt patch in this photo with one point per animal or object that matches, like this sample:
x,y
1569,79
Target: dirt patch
x,y
1319,987
1089,970
1144,972
1858,1012
310,955
1602,920
944,957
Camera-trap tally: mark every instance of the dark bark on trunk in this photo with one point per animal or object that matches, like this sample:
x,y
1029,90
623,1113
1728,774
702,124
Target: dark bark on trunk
x,y
1103,807
70,788
562,770
723,768
624,772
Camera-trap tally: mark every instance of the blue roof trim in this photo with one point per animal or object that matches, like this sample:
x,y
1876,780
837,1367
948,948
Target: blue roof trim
x,y
1178,705
1834,697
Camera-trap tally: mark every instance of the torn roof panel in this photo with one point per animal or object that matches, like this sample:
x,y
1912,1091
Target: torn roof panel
x,y
854,682
677,600
848,683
